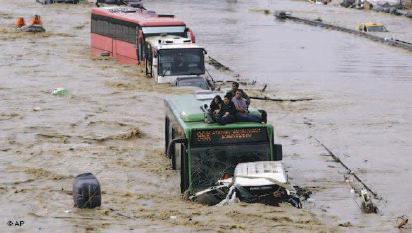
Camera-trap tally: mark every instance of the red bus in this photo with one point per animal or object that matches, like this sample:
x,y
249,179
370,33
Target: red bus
x,y
121,31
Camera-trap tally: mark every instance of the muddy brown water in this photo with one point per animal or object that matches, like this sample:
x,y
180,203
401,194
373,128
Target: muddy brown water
x,y
363,110
111,123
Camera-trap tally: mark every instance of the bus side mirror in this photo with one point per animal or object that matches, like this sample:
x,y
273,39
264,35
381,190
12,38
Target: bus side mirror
x,y
204,51
191,35
277,152
172,145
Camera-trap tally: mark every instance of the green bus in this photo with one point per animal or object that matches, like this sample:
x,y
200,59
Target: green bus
x,y
205,152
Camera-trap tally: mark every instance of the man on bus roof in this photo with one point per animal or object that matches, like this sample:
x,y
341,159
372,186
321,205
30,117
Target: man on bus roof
x,y
227,111
241,106
232,93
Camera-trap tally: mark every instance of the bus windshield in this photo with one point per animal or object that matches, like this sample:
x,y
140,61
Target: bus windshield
x,y
181,62
209,164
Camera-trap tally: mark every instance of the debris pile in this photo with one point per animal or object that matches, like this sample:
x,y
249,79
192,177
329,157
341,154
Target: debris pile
x,y
390,7
367,204
402,222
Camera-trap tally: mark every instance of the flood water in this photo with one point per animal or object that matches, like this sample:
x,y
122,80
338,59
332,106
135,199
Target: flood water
x,y
111,124
363,110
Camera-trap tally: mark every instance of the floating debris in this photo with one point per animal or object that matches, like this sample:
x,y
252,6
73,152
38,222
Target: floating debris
x,y
280,99
217,64
367,204
345,224
402,222
60,92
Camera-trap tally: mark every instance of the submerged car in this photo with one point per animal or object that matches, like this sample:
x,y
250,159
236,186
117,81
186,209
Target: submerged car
x,y
253,182
371,27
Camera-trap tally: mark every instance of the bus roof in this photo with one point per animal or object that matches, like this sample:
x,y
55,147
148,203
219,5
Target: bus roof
x,y
188,111
141,17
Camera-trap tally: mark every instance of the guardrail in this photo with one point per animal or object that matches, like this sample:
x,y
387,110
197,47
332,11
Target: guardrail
x,y
283,15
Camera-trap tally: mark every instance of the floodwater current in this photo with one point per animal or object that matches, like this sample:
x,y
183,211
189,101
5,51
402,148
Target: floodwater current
x,y
363,110
111,123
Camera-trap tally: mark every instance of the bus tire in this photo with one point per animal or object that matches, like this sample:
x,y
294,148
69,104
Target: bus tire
x,y
173,161
184,182
167,140
177,157
186,195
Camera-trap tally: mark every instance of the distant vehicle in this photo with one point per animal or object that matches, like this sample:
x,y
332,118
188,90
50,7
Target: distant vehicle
x,y
319,2
164,44
57,1
371,27
199,82
134,3
205,152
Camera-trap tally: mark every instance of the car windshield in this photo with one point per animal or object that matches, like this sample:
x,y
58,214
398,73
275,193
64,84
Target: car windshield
x,y
209,164
201,83
181,62
376,29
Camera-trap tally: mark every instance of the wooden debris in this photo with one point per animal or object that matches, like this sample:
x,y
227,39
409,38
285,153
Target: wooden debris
x,y
280,99
345,224
217,64
367,204
402,221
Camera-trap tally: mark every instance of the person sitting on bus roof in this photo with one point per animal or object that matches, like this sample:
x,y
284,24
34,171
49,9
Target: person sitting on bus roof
x,y
216,104
227,111
232,92
242,109
214,109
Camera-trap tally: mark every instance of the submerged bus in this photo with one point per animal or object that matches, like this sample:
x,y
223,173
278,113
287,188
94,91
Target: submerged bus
x,y
206,152
169,58
135,36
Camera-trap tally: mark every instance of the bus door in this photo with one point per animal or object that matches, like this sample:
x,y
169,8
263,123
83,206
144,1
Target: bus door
x,y
140,45
177,150
149,59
